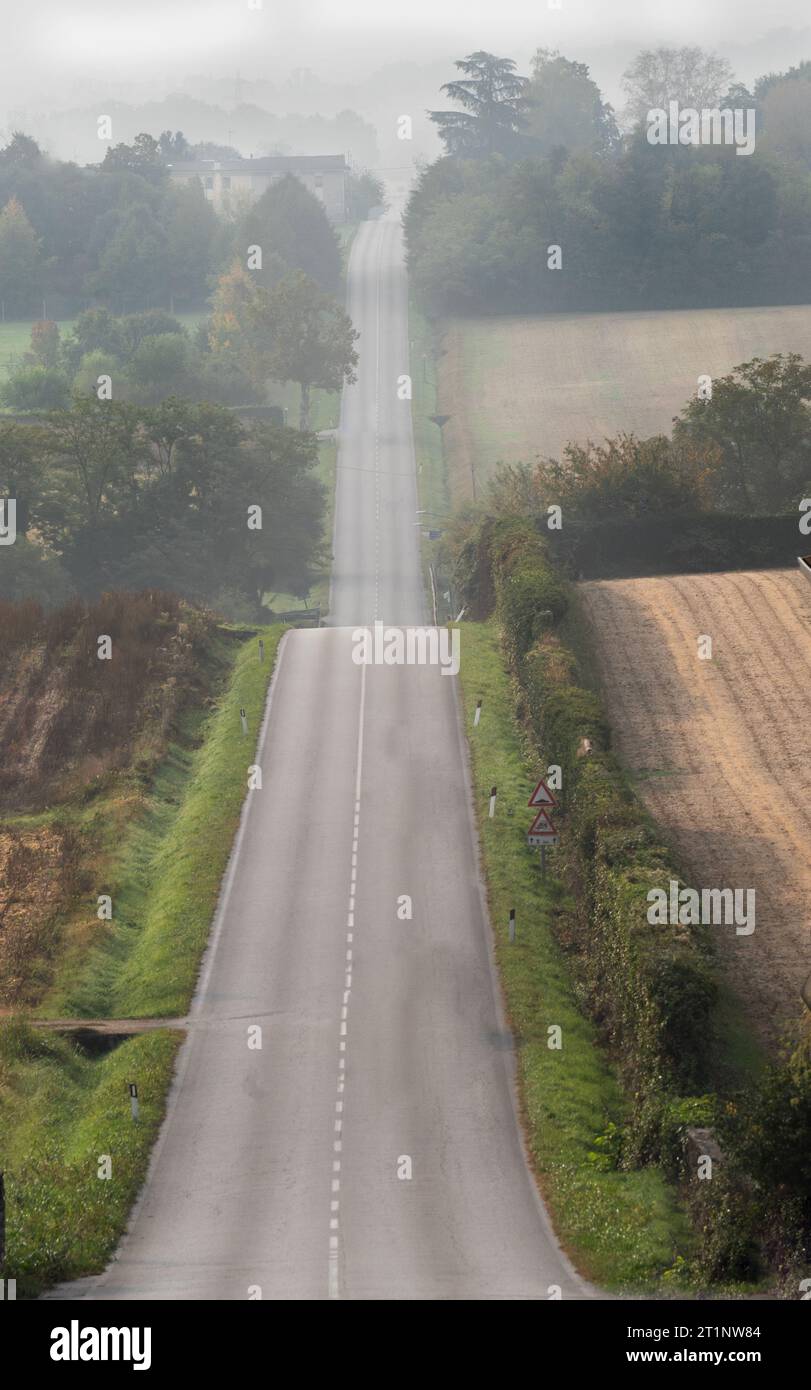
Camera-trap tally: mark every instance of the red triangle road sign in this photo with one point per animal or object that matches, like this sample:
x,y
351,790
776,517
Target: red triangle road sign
x,y
542,796
542,825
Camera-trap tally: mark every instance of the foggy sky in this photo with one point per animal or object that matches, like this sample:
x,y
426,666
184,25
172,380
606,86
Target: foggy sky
x,y
58,53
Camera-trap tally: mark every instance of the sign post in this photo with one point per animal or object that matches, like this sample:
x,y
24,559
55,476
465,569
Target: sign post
x,y
542,832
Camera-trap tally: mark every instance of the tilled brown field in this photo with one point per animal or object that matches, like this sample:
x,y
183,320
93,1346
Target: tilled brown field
x,y
721,750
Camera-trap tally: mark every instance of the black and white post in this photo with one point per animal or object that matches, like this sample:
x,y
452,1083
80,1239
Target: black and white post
x,y
243,719
512,924
133,1090
492,802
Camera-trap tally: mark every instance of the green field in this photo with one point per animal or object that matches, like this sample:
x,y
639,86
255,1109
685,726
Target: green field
x,y
518,387
15,336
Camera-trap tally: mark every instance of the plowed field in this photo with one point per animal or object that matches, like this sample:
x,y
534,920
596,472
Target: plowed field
x,y
721,750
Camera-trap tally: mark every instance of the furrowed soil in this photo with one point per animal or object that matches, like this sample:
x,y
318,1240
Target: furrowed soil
x,y
516,387
720,752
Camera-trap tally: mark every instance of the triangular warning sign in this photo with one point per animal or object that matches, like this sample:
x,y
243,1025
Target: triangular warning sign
x,y
542,796
542,825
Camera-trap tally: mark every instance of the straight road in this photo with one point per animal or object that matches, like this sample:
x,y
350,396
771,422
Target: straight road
x,y
369,1149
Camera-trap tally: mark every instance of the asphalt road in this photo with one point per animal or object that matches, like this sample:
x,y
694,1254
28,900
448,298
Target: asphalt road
x,y
369,1149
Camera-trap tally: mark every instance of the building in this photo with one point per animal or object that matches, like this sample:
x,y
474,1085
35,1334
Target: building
x,y
233,184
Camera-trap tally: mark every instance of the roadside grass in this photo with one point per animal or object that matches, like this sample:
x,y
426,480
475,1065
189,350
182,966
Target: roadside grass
x,y
162,862
624,1230
165,878
60,1114
432,484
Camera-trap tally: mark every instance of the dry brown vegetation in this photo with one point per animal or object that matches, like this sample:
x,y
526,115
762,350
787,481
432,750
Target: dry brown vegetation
x,y
74,726
68,717
721,749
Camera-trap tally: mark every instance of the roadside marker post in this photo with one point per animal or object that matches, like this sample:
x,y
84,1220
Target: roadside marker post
x,y
477,716
492,802
261,649
512,924
133,1090
243,719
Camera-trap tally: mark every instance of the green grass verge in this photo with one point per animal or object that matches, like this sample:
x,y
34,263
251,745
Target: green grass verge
x,y
624,1230
60,1110
172,863
60,1114
432,478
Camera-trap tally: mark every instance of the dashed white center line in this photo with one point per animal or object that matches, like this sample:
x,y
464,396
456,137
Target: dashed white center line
x,y
334,1244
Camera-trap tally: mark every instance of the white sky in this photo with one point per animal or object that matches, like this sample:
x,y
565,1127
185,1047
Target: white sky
x,y
52,45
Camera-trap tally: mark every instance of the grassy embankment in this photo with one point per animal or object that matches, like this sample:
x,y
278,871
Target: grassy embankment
x,y
432,486
161,858
623,1229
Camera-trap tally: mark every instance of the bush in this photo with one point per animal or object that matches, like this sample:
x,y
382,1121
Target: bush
x,y
36,388
650,987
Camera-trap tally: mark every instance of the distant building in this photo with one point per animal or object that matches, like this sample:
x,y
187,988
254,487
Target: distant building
x,y
233,184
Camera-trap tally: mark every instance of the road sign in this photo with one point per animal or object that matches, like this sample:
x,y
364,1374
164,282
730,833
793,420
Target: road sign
x,y
542,796
542,831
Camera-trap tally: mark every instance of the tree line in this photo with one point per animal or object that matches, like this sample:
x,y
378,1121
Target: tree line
x,y
122,233
545,201
178,496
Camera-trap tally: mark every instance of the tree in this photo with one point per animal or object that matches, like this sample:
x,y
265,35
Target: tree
x,y
163,365
134,265
192,242
22,469
144,156
564,107
98,453
35,388
21,152
687,75
289,224
759,419
233,330
311,338
46,343
784,119
364,192
174,147
493,97
622,478
20,261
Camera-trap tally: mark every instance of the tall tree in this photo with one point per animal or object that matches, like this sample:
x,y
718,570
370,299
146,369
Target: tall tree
x,y
689,75
312,339
492,95
759,419
564,107
20,262
144,156
292,229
